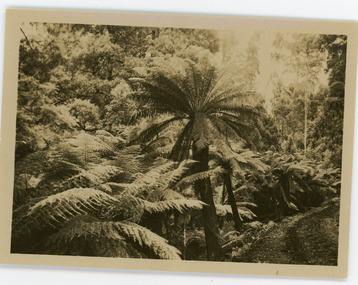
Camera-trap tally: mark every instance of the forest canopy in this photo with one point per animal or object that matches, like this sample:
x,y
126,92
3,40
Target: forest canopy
x,y
171,143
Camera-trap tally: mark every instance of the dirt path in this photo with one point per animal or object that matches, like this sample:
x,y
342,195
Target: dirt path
x,y
306,238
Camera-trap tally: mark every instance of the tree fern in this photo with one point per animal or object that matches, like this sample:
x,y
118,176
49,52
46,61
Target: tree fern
x,y
207,107
291,181
237,165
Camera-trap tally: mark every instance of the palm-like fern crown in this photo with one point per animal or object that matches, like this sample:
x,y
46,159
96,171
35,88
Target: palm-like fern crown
x,y
203,101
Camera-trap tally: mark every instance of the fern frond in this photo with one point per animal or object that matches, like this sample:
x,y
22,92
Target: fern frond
x,y
128,187
131,150
144,237
86,228
243,211
146,180
221,99
163,91
129,160
157,143
89,143
302,167
59,170
153,175
181,147
154,130
160,178
77,199
200,176
60,208
93,177
149,113
241,128
172,177
105,187
33,163
235,111
169,194
201,133
238,131
246,213
180,205
127,207
116,239
109,139
163,151
252,160
222,130
160,147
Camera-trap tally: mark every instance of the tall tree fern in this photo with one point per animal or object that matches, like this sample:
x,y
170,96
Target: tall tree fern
x,y
235,164
208,108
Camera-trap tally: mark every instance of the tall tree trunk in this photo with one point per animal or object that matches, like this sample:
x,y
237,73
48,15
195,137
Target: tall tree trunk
x,y
232,202
211,225
305,131
223,194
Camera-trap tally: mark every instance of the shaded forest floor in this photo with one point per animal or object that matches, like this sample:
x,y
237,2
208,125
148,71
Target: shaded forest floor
x,y
306,238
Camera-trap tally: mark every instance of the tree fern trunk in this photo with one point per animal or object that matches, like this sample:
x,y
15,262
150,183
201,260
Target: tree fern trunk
x,y
211,225
232,202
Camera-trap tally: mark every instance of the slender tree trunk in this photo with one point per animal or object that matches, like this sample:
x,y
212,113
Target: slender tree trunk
x,y
223,194
305,134
211,225
232,202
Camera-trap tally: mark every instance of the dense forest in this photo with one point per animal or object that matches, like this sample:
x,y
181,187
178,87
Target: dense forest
x,y
173,143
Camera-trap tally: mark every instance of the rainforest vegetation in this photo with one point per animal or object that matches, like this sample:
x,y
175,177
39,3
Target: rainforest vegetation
x,y
144,142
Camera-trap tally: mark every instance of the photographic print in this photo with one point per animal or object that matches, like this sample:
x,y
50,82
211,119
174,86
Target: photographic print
x,y
177,143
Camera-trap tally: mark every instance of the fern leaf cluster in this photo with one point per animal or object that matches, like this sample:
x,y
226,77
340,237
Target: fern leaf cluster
x,y
145,237
93,177
244,212
58,209
180,205
203,102
131,240
200,176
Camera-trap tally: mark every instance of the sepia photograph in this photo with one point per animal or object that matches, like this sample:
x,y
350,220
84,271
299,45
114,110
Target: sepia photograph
x,y
219,145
